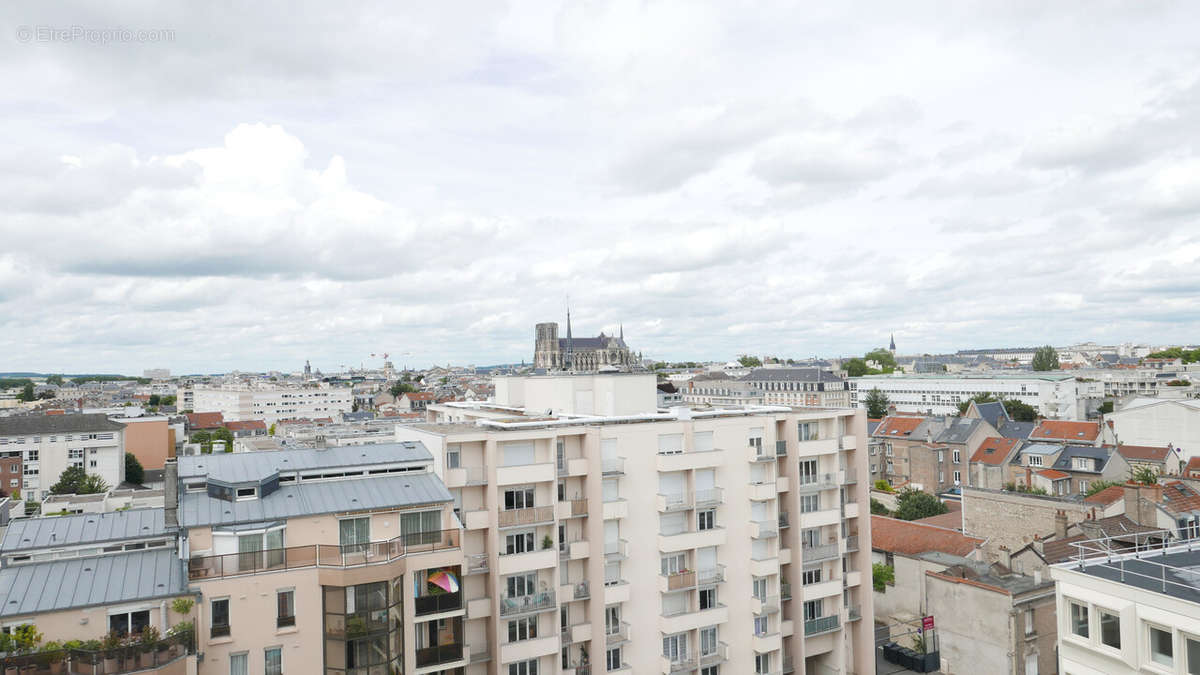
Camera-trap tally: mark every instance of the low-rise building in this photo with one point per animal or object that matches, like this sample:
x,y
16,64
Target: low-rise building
x,y
802,387
48,444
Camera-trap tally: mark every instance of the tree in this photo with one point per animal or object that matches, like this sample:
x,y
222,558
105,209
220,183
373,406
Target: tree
x,y
883,357
92,484
55,379
271,431
882,576
74,480
155,400
915,504
883,486
878,509
1105,408
226,435
877,403
857,367
1019,410
168,400
985,397
1144,475
1045,358
1098,485
26,394
749,361
401,388
133,469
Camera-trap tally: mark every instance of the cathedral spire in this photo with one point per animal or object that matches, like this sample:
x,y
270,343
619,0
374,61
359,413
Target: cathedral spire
x,y
569,363
892,346
621,331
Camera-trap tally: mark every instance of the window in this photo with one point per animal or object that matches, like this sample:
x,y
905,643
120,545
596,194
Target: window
x,y
453,457
286,608
673,564
273,660
957,456
1162,651
612,658
521,498
1035,460
521,584
1029,621
521,542
354,533
239,664
675,647
708,641
1083,486
941,456
1079,619
808,472
1110,629
706,519
762,663
708,598
1192,646
31,455
812,610
129,623
710,670
522,629
220,617
421,527
957,477
811,576
529,667
810,503
760,625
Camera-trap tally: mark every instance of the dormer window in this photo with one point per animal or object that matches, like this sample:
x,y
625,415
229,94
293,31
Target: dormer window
x,y
247,493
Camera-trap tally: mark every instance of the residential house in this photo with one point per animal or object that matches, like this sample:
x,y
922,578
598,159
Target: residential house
x,y
204,421
1066,431
1030,458
1192,470
997,415
247,428
911,549
1164,461
415,401
1157,422
930,453
989,464
1084,465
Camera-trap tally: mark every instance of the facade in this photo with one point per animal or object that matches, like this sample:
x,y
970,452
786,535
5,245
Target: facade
x,y
800,387
271,404
1131,612
1052,394
1157,422
48,444
603,352
150,439
721,391
930,453
685,542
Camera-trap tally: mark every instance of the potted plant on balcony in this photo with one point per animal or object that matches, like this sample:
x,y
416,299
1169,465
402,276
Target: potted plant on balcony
x,y
146,645
51,657
181,637
547,542
110,646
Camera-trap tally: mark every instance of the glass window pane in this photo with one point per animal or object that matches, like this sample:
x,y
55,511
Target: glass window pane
x,y
1079,619
1193,656
1110,629
1161,649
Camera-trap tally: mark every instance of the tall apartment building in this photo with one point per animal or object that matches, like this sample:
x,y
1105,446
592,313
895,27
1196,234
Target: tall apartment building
x,y
48,444
272,404
1052,394
626,540
1135,610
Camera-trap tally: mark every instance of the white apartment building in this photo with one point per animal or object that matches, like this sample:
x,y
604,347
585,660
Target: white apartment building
x,y
1134,611
812,387
48,444
619,540
1054,395
271,404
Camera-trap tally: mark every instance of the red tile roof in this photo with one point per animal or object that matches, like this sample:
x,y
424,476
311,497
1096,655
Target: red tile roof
x,y
1144,453
1053,474
1066,430
898,427
995,450
420,395
1107,496
951,520
912,538
1193,467
246,425
1180,497
205,420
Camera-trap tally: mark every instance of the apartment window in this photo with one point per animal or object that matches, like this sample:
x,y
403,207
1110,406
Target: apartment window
x,y
810,503
273,661
1192,647
1162,650
239,664
1110,629
941,456
807,430
710,670
674,564
1079,619
812,610
957,477
354,533
521,584
285,614
612,658
453,459
708,641
128,623
706,519
1035,460
889,448
760,625
529,667
522,629
219,614
31,455
811,576
612,619
93,463
1029,622
1083,486
708,598
521,498
675,647
75,453
957,456
762,663
520,542
808,472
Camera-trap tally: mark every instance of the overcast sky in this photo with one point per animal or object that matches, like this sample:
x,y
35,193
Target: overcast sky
x,y
326,182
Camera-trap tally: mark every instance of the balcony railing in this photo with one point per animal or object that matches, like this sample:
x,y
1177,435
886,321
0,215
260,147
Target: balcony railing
x,y
612,466
579,507
436,604
681,580
770,603
821,552
683,663
853,613
676,502
708,496
766,529
851,476
531,516
134,657
758,454
477,563
321,555
785,590
618,633
780,448
822,624
432,656
519,604
581,591
711,575
852,542
616,550
815,481
718,655
783,520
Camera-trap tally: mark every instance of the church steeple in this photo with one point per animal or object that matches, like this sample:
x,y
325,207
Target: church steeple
x,y
892,346
621,331
570,360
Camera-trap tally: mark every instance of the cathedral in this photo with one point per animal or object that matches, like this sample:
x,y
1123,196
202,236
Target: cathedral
x,y
580,354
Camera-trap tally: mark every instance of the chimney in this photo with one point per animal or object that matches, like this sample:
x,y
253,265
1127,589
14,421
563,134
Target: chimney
x,y
1006,557
171,493
891,409
1060,524
1132,497
1037,577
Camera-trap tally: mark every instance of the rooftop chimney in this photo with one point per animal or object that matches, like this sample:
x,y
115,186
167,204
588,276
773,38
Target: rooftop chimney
x,y
1060,524
171,493
1006,557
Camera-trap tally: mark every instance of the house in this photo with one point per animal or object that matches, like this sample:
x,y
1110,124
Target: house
x,y
1192,470
415,401
931,452
204,421
1067,431
1086,464
989,464
1029,458
911,549
247,428
996,415
1157,422
1164,461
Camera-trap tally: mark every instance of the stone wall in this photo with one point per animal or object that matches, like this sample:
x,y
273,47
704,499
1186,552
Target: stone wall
x,y
1012,519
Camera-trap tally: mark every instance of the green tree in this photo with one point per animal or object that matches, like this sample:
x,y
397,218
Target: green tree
x,y
1045,358
883,357
133,469
882,576
1144,475
915,504
271,431
401,387
155,400
74,480
883,486
1019,410
201,437
226,435
877,403
749,361
168,400
92,484
55,379
985,397
1105,408
857,367
26,394
1097,486
878,509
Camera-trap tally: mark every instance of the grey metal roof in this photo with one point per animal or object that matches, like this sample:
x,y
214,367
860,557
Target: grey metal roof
x,y
1014,429
84,528
958,430
1102,454
84,582
993,412
237,467
791,375
316,497
49,424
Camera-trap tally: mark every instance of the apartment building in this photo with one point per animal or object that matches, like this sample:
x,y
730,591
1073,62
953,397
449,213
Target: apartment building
x,y
272,403
1132,611
722,391
1052,394
626,540
48,444
808,387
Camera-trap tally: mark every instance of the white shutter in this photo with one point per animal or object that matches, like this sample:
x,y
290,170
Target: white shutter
x,y
608,448
673,523
706,558
758,511
703,441
611,490
670,444
705,479
612,532
516,454
670,483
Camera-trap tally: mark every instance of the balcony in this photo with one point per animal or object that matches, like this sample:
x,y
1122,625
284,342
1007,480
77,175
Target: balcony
x,y
526,473
681,540
169,655
815,482
851,476
765,605
692,619
708,497
853,613
820,517
820,625
615,508
321,555
539,515
526,604
613,466
529,560
580,632
759,491
711,575
685,461
820,552
851,509
678,581
440,655
682,663
718,655
764,529
437,604
785,590
764,564
780,448
757,454
616,550
575,550
848,443
816,448
674,502
476,519
477,563
572,508
763,643
581,591
615,635
783,520
852,543
783,484
466,476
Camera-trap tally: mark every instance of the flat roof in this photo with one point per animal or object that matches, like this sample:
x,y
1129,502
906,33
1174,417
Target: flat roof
x,y
85,582
240,467
1180,569
967,376
84,528
197,509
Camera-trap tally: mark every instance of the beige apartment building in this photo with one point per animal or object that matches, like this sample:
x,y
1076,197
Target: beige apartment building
x,y
603,535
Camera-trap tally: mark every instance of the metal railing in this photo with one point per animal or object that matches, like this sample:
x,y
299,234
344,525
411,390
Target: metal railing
x,y
579,507
851,476
815,481
783,520
819,625
519,604
127,658
530,516
431,656
766,529
708,496
1133,562
676,501
780,448
718,655
321,555
757,454
475,475
852,542
477,563
612,466
770,603
711,575
681,580
853,613
436,604
785,590
820,552
618,633
616,550
581,591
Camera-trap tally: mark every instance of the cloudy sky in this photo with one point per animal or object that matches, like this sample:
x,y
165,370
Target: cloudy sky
x,y
250,190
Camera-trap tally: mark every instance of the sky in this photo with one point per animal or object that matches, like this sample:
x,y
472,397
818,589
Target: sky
x,y
209,190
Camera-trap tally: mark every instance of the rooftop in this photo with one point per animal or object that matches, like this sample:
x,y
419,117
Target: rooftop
x,y
1173,571
994,451
84,528
1144,453
241,467
897,426
912,538
22,425
87,582
1066,430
